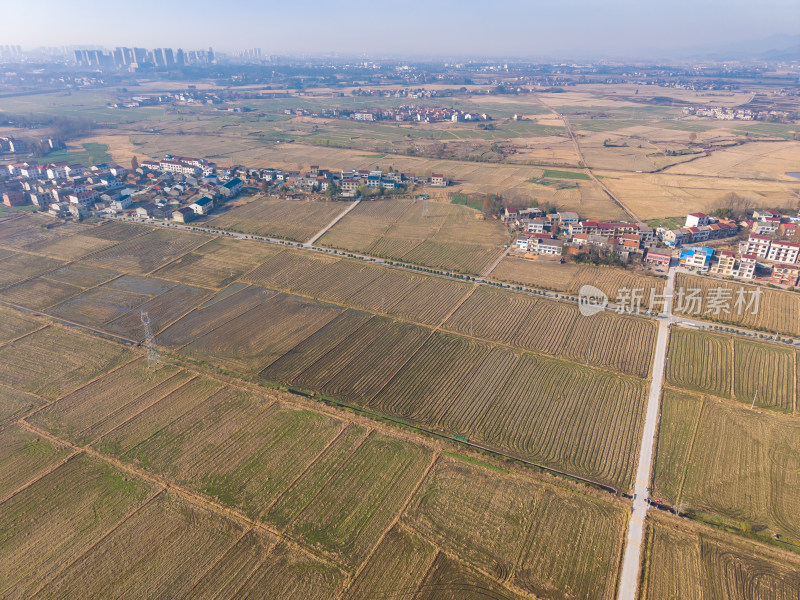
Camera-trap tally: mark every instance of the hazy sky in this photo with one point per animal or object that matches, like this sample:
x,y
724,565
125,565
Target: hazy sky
x,y
407,27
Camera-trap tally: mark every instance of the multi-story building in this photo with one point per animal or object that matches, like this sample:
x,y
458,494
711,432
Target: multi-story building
x,y
785,275
784,252
747,266
696,219
755,244
697,258
725,265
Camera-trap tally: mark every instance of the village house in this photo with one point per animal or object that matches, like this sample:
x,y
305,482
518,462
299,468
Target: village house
x,y
697,258
183,215
747,266
783,252
202,206
783,274
755,244
696,219
438,180
232,188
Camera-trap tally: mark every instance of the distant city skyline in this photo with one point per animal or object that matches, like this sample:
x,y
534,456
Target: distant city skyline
x,y
446,28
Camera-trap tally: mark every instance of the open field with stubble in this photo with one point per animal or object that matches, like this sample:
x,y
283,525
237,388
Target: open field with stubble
x,y
296,220
728,463
695,562
754,373
267,498
748,305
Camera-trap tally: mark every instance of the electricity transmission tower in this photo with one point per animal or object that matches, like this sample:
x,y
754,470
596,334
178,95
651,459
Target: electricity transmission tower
x,y
153,357
425,212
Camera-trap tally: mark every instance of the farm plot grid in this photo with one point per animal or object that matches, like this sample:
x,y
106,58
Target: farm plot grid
x,y
697,562
116,306
145,253
776,310
720,458
397,229
552,275
56,286
296,220
754,373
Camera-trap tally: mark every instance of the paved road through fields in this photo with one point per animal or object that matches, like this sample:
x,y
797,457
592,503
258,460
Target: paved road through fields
x,y
338,218
632,560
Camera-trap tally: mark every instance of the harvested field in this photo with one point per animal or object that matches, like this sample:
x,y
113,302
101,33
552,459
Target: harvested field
x,y
251,341
49,524
106,403
56,286
397,567
761,373
15,404
516,319
450,580
283,270
295,220
719,458
396,229
216,312
161,551
117,231
33,229
569,277
352,511
25,457
218,263
479,515
766,373
574,549
700,362
14,324
116,306
241,449
695,562
519,403
145,253
69,247
774,310
53,361
287,573
297,496
39,293
17,266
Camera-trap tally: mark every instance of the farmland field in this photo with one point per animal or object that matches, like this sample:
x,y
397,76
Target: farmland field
x,y
450,238
164,560
515,319
235,447
54,361
719,458
56,286
145,253
510,528
696,562
14,324
518,403
350,513
25,457
570,277
758,373
700,362
761,308
295,220
53,521
18,266
217,263
116,306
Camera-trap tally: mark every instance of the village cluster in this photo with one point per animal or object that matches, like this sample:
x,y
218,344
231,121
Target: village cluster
x,y
424,114
723,113
177,188
767,255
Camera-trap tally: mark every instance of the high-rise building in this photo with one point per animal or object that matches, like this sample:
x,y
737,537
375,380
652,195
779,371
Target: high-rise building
x,y
180,58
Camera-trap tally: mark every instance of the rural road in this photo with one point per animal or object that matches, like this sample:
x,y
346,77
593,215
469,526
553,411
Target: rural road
x,y
338,218
632,559
488,271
